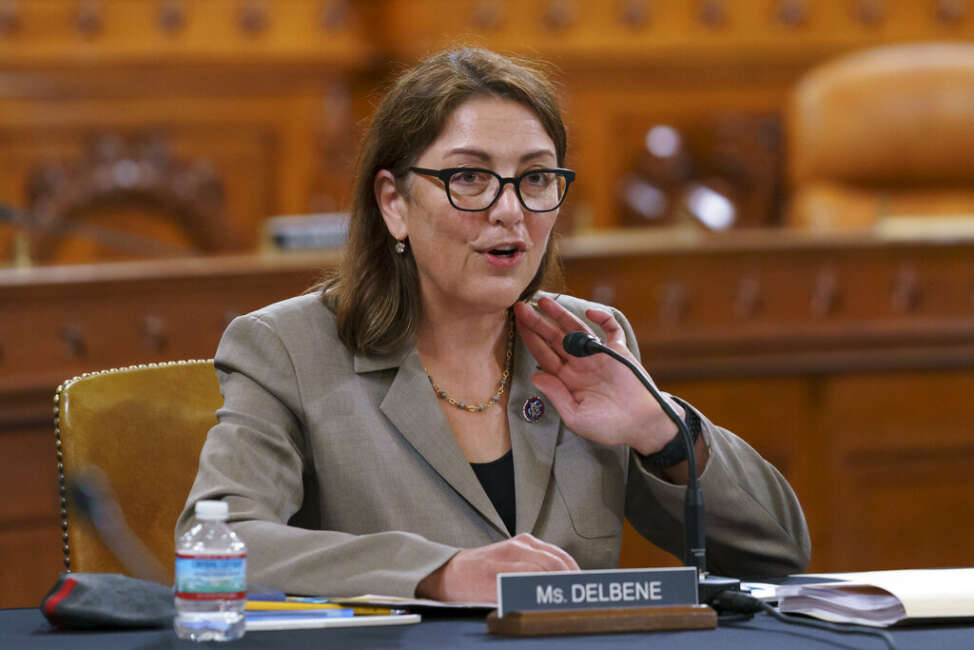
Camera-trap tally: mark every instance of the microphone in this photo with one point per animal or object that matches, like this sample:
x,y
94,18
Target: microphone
x,y
583,344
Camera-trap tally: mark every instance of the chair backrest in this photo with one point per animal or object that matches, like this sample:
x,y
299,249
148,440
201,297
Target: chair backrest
x,y
887,132
143,427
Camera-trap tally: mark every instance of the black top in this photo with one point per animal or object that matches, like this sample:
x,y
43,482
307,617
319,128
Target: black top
x,y
497,477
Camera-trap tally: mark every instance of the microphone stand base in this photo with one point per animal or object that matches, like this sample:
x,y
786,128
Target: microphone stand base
x,y
709,586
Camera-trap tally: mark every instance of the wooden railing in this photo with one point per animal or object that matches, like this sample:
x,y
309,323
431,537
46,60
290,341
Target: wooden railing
x,y
846,361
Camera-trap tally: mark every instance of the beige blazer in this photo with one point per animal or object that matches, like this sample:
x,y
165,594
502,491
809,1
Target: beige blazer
x,y
344,477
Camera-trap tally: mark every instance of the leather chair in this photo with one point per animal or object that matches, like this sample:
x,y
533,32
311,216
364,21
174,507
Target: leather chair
x,y
140,428
887,132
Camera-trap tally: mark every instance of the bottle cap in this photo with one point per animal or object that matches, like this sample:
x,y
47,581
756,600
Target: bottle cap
x,y
212,510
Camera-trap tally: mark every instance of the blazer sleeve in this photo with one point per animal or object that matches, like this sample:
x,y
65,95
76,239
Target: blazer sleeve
x,y
754,523
255,458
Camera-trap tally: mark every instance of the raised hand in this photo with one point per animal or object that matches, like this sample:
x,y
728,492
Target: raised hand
x,y
596,396
471,574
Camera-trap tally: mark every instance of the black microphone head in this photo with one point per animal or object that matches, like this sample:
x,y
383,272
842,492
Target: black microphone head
x,y
580,344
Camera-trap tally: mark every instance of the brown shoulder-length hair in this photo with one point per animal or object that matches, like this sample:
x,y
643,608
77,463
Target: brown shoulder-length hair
x,y
375,291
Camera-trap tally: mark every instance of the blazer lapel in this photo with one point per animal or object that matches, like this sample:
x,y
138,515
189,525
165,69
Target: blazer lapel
x,y
533,442
412,408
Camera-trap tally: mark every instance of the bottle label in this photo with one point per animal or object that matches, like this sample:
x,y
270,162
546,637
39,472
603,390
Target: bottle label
x,y
211,577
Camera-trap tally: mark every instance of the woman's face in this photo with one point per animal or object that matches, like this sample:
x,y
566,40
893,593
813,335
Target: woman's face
x,y
479,261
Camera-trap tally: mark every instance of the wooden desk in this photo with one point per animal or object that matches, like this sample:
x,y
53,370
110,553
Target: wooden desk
x,y
847,361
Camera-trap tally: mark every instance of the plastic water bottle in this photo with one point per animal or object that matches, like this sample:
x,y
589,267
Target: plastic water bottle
x,y
211,578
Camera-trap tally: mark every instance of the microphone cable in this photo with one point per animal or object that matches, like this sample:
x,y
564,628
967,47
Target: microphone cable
x,y
739,603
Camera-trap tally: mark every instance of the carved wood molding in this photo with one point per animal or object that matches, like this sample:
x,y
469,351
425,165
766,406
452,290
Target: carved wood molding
x,y
138,170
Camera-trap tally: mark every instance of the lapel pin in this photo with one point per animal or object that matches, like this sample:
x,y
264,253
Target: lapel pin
x,y
533,409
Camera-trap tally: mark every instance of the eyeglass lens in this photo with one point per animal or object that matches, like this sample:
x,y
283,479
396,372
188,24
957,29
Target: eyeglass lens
x,y
476,190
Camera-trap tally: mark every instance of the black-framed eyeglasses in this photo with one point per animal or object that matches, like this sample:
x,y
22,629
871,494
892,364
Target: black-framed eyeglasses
x,y
472,190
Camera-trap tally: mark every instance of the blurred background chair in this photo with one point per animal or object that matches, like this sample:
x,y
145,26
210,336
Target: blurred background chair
x,y
128,448
884,133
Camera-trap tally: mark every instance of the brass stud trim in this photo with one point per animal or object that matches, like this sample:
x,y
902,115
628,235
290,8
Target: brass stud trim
x,y
62,488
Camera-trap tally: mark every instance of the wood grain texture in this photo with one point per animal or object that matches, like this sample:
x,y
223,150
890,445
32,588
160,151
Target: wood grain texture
x,y
866,410
603,621
846,360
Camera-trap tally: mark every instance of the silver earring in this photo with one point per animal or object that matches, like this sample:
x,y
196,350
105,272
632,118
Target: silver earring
x,y
400,247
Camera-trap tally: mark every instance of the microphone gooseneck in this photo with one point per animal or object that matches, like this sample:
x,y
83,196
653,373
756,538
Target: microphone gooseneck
x,y
723,594
583,344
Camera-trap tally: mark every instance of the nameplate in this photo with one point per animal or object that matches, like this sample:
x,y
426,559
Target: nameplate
x,y
525,592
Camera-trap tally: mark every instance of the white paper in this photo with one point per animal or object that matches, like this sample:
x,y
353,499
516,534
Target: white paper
x,y
925,593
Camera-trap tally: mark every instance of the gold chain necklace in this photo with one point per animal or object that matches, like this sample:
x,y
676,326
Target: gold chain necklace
x,y
501,385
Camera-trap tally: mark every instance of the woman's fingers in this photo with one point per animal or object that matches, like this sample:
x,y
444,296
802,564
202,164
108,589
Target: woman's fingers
x,y
613,331
565,560
561,320
531,321
557,393
526,549
472,574
548,360
551,325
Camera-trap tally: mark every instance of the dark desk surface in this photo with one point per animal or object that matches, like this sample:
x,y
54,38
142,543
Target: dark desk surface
x,y
27,628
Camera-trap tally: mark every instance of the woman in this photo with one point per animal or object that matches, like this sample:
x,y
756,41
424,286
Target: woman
x,y
415,427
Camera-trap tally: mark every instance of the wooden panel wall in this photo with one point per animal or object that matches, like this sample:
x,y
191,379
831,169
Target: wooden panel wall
x,y
268,97
848,366
806,347
187,123
717,71
830,357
